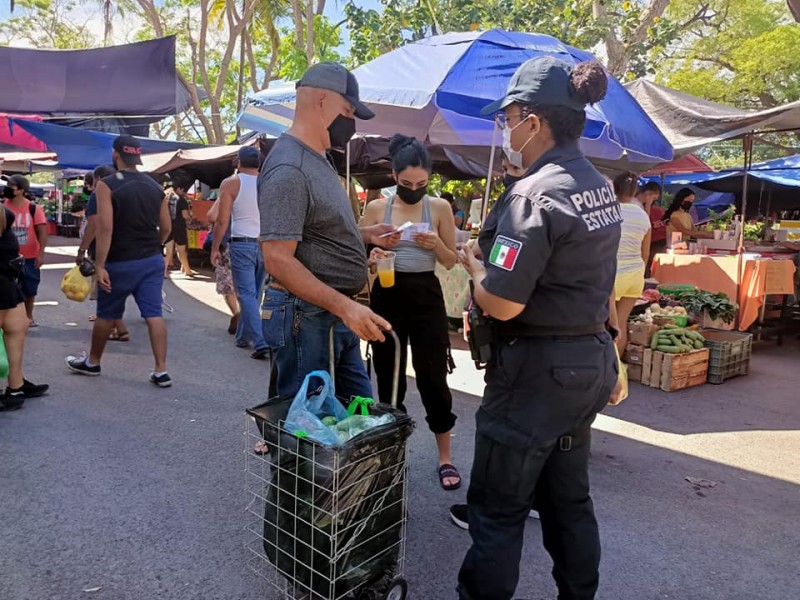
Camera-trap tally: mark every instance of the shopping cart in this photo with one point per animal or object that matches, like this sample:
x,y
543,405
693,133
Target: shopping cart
x,y
328,523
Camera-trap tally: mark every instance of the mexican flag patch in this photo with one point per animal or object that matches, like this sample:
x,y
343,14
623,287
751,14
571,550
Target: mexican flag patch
x,y
505,252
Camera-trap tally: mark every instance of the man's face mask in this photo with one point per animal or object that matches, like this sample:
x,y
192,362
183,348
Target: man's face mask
x,y
341,131
8,193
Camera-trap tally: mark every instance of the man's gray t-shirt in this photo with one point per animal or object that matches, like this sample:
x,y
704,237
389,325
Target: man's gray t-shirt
x,y
301,198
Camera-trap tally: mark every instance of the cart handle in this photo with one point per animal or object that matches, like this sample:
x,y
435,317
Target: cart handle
x,y
396,374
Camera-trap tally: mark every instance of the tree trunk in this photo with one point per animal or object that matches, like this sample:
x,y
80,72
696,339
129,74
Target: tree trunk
x,y
619,52
309,30
297,10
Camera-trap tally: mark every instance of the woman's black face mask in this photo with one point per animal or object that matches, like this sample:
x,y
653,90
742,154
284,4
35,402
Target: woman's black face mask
x,y
410,196
686,205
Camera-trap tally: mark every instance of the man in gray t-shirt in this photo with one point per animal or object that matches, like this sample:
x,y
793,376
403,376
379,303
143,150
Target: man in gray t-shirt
x,y
313,249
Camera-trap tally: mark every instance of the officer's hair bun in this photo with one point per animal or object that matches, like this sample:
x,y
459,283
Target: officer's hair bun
x,y
590,81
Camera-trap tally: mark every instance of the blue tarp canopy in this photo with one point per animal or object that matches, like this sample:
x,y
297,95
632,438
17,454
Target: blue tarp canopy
x,y
434,89
84,149
776,182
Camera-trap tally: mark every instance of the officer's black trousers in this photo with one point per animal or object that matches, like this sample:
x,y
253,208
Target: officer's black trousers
x,y
415,308
532,440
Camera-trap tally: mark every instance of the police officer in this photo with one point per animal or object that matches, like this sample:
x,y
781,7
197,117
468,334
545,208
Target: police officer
x,y
549,259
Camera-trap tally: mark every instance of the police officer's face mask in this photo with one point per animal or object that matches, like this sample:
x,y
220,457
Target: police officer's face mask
x,y
514,156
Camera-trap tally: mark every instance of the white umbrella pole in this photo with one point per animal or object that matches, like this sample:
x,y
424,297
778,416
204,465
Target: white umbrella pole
x,y
485,207
347,168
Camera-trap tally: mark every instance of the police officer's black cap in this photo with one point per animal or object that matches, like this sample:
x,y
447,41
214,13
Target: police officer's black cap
x,y
544,81
334,77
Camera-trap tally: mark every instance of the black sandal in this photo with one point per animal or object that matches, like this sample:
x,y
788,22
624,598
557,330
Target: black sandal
x,y
449,472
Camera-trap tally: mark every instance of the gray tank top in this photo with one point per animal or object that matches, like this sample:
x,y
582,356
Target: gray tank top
x,y
411,258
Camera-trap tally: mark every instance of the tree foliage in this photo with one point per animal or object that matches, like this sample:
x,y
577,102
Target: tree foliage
x,y
625,30
739,52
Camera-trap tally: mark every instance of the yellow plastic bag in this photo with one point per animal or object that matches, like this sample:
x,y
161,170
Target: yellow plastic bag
x,y
75,286
621,393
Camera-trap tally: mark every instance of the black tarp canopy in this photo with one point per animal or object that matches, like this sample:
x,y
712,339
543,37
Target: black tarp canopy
x,y
134,84
689,123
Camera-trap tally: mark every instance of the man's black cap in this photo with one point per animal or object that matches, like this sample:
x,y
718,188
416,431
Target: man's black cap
x,y
334,77
129,148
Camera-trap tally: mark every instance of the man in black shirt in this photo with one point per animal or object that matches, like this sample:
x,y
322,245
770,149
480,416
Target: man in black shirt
x,y
179,237
133,222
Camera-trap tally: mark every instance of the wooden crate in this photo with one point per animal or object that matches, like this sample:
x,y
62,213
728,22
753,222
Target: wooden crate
x,y
672,372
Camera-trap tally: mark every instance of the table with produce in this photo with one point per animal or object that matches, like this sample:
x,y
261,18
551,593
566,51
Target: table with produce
x,y
677,340
748,280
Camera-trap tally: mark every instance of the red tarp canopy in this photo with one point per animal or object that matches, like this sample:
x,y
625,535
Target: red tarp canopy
x,y
16,138
685,164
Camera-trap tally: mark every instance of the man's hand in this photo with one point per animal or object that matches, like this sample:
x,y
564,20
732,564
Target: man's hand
x,y
427,240
216,257
364,323
468,260
616,395
103,279
39,261
81,257
373,235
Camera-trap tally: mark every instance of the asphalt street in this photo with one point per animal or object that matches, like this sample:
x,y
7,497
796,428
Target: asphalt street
x,y
134,493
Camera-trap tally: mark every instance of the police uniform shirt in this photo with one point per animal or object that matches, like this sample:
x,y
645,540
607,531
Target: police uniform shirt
x,y
551,243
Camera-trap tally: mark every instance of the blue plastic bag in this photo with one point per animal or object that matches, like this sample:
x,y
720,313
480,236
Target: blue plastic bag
x,y
307,411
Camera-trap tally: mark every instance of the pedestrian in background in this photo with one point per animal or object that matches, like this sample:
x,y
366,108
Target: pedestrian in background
x,y
133,223
179,238
647,197
238,206
633,252
222,272
30,227
88,245
549,249
13,319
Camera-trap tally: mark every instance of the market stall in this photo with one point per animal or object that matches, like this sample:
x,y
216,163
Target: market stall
x,y
748,279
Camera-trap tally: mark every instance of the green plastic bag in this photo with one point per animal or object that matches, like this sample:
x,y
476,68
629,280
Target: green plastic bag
x,y
3,357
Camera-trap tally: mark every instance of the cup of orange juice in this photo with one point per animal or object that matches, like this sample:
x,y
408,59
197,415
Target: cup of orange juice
x,y
386,269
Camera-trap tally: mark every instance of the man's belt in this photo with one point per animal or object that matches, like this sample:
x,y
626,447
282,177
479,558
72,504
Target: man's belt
x,y
272,284
243,239
515,329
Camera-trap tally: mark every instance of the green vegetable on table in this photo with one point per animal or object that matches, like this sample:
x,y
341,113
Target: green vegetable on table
x,y
673,340
717,306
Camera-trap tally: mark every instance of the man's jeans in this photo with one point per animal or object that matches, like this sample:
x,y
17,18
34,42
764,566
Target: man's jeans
x,y
298,335
247,266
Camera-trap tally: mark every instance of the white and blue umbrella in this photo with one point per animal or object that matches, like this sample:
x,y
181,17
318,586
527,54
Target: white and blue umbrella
x,y
434,89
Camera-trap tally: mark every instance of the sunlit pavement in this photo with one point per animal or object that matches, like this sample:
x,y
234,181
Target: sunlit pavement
x,y
113,484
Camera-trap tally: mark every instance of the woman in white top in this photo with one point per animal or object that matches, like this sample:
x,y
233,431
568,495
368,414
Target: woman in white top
x,y
633,253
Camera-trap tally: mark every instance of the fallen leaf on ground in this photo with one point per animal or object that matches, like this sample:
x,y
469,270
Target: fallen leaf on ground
x,y
94,589
703,483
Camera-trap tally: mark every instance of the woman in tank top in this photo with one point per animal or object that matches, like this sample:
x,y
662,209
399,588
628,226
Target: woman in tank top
x,y
633,252
414,305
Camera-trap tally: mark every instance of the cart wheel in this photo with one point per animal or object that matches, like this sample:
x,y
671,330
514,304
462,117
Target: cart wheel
x,y
398,590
